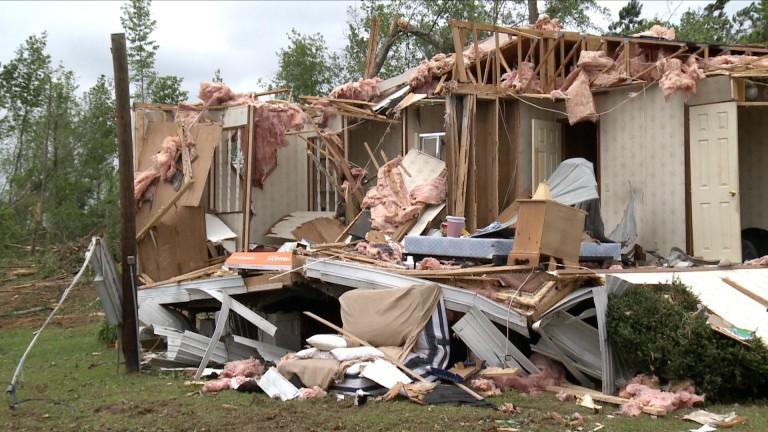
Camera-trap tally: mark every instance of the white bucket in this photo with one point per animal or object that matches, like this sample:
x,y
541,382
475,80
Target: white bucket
x,y
455,225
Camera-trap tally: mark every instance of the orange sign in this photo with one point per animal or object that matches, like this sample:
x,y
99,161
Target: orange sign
x,y
260,260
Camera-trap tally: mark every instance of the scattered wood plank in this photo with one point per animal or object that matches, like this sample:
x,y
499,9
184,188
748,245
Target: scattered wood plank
x,y
600,397
469,271
191,275
746,291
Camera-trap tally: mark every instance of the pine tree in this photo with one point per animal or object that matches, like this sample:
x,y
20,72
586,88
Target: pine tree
x,y
138,25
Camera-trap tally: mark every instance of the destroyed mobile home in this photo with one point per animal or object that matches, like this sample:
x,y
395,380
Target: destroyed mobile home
x,y
405,211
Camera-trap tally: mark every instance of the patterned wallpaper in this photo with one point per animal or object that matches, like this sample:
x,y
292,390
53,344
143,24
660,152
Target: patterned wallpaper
x,y
753,160
643,142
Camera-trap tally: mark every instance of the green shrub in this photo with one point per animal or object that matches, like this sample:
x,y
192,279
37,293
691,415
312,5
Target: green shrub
x,y
107,333
661,330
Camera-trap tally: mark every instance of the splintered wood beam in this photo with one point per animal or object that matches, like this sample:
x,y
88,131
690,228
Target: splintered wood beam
x,y
496,64
530,51
570,55
541,63
370,154
458,47
562,61
331,140
329,99
746,291
487,68
654,65
373,35
627,53
440,84
477,51
489,28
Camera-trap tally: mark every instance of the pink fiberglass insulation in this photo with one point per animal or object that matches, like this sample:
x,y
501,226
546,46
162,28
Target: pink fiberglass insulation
x,y
733,62
632,408
246,368
762,261
679,76
217,385
141,185
658,31
552,373
270,123
427,70
580,105
313,392
565,395
389,202
364,89
165,159
389,252
517,79
215,93
432,192
430,263
484,385
544,23
654,397
187,114
326,108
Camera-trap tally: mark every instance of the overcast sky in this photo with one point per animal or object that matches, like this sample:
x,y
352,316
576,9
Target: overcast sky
x,y
196,37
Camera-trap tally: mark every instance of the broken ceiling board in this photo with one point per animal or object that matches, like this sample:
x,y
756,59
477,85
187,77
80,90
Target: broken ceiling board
x,y
488,343
216,230
410,99
176,245
716,295
285,227
207,138
320,230
456,299
428,215
275,385
422,167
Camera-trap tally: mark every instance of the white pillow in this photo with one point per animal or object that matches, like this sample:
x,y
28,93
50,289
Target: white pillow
x,y
327,342
314,353
344,354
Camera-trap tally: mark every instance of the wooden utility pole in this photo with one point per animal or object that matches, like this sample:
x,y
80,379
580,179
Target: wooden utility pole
x,y
129,330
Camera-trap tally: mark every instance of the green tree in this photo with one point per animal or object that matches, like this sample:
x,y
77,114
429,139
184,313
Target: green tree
x,y
629,19
138,25
751,23
576,14
166,89
23,84
306,66
412,30
708,24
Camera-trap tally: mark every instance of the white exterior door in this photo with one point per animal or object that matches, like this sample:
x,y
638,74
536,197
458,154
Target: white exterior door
x,y
716,217
547,150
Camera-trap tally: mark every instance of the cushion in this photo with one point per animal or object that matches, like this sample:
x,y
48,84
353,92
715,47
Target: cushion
x,y
327,342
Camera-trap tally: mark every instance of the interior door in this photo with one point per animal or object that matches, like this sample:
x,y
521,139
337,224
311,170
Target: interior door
x,y
547,150
715,213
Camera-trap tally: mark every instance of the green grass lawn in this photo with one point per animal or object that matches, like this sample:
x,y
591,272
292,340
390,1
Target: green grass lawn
x,y
70,383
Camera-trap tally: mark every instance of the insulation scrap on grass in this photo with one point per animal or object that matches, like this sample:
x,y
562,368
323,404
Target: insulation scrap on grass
x,y
643,394
364,89
311,392
235,375
389,202
485,386
552,373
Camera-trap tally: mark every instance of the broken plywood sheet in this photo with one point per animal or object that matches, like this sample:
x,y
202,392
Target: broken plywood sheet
x,y
422,168
320,230
176,245
206,136
287,225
